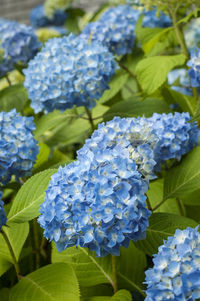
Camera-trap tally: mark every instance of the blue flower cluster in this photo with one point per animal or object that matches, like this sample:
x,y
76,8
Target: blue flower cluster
x,y
18,44
97,202
150,141
133,134
176,271
3,217
176,136
38,17
68,71
18,148
115,29
194,64
152,20
180,76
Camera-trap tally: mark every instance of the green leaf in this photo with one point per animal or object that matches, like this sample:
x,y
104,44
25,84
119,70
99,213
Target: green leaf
x,y
4,266
4,294
187,103
184,178
161,226
43,155
99,298
89,269
17,235
196,113
122,295
131,276
155,195
29,198
116,84
152,72
55,282
192,199
47,122
137,107
75,132
13,97
159,42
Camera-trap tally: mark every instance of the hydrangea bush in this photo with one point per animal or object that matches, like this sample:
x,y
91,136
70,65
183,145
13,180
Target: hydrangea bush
x,y
99,152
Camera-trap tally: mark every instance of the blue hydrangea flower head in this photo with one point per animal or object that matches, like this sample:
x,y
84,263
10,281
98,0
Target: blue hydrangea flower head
x,y
68,71
152,20
18,148
3,217
182,76
176,271
38,17
115,29
194,64
97,202
132,134
176,136
18,44
149,141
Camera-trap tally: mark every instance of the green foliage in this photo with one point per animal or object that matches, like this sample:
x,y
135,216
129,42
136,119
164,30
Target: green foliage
x,y
53,282
13,97
116,84
155,195
89,269
135,106
184,178
17,234
29,198
162,225
187,103
152,72
122,295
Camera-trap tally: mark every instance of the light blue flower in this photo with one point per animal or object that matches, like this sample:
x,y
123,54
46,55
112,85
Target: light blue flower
x,y
176,271
115,29
182,76
149,141
68,71
96,202
38,17
18,44
3,217
194,64
18,148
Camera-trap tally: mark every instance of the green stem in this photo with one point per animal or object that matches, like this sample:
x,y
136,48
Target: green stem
x,y
8,80
149,204
36,243
181,40
114,272
131,74
158,205
180,207
15,263
90,118
180,35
